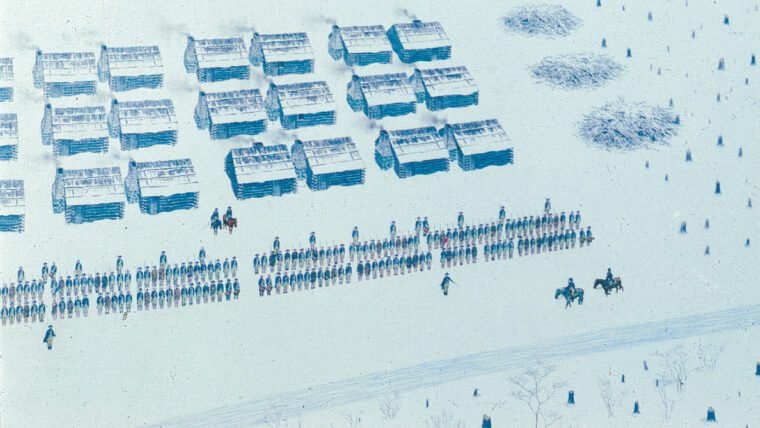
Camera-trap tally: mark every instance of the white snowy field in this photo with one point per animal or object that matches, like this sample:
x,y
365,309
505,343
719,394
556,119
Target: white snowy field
x,y
729,386
160,366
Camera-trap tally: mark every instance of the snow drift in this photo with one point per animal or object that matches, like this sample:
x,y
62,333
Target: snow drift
x,y
576,71
548,20
628,126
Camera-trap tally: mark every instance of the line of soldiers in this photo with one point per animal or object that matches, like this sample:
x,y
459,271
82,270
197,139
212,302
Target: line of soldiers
x,y
72,294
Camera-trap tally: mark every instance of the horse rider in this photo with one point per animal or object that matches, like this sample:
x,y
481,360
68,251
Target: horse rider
x,y
229,213
571,287
609,276
215,215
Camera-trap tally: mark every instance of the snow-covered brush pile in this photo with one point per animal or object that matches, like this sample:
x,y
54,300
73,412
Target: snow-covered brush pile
x,y
624,126
575,71
543,19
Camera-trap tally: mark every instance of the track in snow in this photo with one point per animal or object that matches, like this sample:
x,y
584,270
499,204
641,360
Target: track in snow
x,y
432,373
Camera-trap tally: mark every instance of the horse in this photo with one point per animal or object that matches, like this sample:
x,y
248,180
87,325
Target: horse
x,y
216,225
565,292
616,284
230,222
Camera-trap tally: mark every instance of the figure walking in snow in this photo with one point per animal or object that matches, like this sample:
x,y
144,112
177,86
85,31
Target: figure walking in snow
x,y
445,284
547,206
49,335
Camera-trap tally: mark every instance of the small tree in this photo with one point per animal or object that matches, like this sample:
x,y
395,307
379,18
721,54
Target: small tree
x,y
532,388
677,363
708,355
389,407
352,420
609,397
666,398
444,420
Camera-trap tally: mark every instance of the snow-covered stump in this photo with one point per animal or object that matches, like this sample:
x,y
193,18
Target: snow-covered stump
x,y
720,141
486,421
571,397
688,155
757,367
635,407
683,227
752,61
710,415
717,188
548,20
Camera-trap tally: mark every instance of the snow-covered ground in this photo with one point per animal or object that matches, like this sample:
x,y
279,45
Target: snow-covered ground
x,y
160,366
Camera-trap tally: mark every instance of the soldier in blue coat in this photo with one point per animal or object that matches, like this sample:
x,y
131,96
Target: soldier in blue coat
x,y
78,268
234,266
445,284
119,264
53,270
355,235
202,255
162,259
226,267
45,272
20,275
49,336
393,229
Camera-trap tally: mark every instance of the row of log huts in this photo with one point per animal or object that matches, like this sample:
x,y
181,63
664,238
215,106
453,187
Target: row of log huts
x,y
11,191
91,194
426,150
86,129
273,170
139,124
131,67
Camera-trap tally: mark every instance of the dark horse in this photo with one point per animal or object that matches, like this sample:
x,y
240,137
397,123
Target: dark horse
x,y
568,298
229,222
616,284
216,225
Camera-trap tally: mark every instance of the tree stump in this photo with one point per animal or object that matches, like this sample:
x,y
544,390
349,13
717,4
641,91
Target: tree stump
x,y
711,415
486,421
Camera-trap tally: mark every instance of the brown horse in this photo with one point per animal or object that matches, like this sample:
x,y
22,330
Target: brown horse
x,y
616,284
230,223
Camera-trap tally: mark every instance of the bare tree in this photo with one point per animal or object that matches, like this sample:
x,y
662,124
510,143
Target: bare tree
x,y
444,420
708,355
666,398
274,417
609,397
389,407
677,362
533,389
353,420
